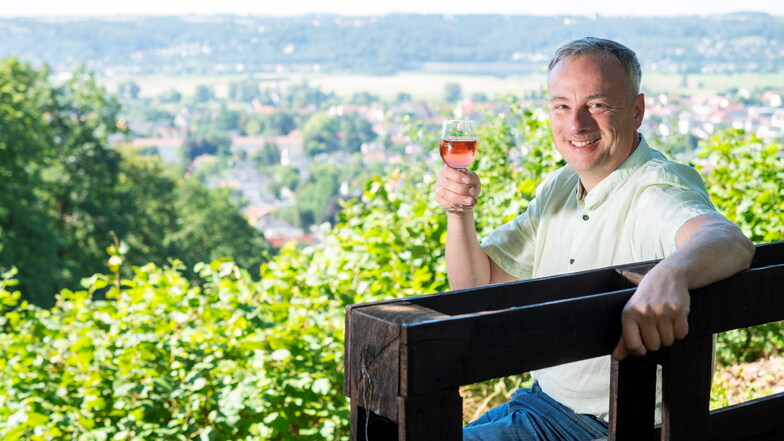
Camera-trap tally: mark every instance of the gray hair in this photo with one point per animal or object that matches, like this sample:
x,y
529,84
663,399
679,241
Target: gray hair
x,y
599,46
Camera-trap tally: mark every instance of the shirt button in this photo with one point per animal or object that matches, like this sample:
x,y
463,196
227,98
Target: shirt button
x,y
571,261
585,217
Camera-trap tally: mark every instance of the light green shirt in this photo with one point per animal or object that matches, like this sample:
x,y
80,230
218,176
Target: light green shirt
x,y
632,215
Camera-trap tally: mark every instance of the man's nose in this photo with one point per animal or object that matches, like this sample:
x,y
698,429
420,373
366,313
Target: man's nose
x,y
580,120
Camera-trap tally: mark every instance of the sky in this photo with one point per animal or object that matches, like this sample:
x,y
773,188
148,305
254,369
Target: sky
x,y
366,7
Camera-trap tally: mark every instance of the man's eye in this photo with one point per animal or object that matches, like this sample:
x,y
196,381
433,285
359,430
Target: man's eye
x,y
597,107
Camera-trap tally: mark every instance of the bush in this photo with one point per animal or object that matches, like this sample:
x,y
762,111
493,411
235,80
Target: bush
x,y
164,360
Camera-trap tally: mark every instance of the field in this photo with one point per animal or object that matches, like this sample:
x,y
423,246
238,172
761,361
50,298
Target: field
x,y
423,86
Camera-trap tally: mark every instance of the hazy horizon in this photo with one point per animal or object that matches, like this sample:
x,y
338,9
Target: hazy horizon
x,y
52,8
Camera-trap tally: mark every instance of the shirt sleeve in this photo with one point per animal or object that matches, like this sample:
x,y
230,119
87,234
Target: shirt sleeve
x,y
672,206
513,245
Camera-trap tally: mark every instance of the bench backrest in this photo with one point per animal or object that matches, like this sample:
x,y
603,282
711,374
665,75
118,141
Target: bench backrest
x,y
406,358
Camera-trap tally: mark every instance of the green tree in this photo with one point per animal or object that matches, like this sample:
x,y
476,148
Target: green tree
x,y
26,148
129,90
245,90
203,93
171,96
268,155
363,98
356,131
314,194
60,176
281,123
66,196
403,97
452,92
211,227
319,134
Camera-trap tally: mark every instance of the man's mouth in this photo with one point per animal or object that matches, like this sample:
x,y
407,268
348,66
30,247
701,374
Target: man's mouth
x,y
584,143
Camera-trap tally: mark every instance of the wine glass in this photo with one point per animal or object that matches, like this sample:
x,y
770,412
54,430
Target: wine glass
x,y
458,149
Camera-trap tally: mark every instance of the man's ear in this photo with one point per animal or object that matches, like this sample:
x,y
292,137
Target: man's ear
x,y
639,109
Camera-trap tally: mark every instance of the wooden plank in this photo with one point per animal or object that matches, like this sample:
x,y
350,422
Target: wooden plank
x,y
760,418
632,400
523,293
768,254
719,307
635,273
374,363
686,387
433,417
524,338
347,351
374,366
367,426
512,341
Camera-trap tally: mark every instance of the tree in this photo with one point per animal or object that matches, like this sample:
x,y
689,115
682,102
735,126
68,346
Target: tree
x,y
356,131
66,196
314,195
226,120
195,147
63,182
170,96
203,93
245,90
281,123
26,148
403,97
363,98
453,92
211,227
128,90
319,134
268,155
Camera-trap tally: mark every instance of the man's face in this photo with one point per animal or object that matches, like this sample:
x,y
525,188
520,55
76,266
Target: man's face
x,y
594,115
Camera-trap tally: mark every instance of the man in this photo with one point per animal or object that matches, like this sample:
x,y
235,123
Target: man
x,y
616,201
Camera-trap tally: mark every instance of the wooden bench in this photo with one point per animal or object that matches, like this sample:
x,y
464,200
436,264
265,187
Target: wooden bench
x,y
407,358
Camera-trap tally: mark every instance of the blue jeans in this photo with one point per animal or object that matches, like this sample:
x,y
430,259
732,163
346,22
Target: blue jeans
x,y
531,415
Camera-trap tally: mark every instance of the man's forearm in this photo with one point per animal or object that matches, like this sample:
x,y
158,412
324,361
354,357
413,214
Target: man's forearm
x,y
467,265
713,250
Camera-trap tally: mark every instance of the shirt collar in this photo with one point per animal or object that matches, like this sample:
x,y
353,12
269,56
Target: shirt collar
x,y
603,189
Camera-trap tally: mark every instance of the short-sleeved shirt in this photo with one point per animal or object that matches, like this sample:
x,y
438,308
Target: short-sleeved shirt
x,y
632,215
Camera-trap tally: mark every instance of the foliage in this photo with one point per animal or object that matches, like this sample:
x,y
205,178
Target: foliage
x,y
210,226
319,134
743,176
165,360
57,202
66,196
314,194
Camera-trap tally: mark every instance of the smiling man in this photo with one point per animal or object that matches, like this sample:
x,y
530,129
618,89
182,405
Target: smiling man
x,y
616,201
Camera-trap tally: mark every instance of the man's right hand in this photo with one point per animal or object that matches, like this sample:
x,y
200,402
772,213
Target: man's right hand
x,y
457,187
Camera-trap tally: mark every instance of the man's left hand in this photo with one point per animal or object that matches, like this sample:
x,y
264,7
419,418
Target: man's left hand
x,y
656,315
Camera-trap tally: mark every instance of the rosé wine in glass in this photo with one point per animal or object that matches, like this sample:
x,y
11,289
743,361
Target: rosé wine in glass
x,y
458,154
458,149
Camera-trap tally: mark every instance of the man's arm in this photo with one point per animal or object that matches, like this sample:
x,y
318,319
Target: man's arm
x,y
710,248
467,265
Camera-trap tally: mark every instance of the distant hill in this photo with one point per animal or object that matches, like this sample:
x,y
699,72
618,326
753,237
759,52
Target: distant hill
x,y
743,42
